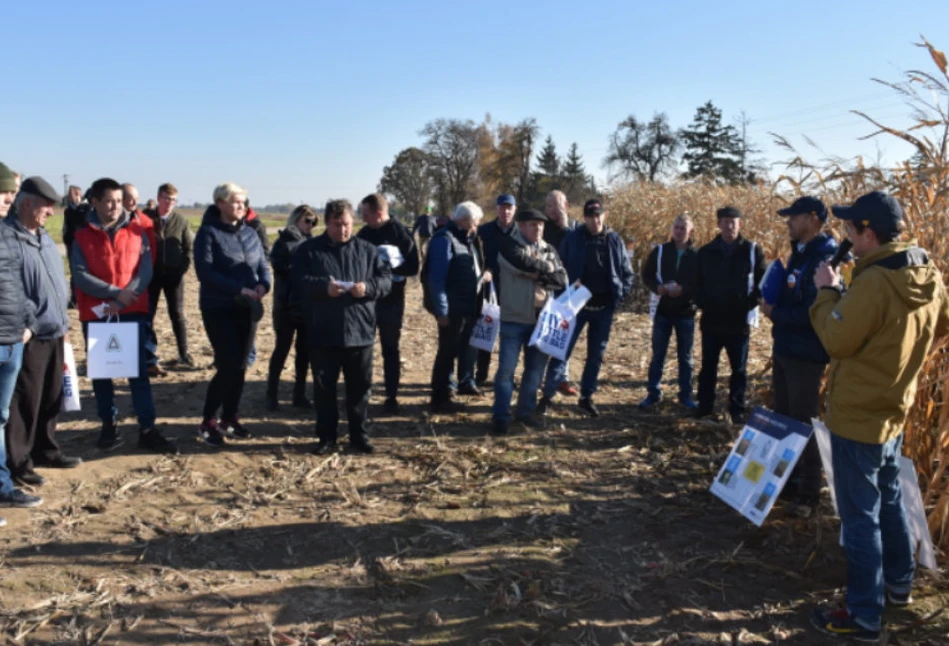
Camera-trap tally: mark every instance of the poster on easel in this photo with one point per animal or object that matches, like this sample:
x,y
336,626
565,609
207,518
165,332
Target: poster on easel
x,y
760,463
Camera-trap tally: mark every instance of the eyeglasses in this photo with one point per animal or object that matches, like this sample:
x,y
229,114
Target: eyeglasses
x,y
309,221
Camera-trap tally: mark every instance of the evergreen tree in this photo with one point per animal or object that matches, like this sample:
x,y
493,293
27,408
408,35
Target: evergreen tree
x,y
547,160
711,148
576,182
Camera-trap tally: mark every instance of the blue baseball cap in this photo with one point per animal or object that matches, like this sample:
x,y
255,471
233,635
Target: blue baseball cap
x,y
877,211
806,204
506,198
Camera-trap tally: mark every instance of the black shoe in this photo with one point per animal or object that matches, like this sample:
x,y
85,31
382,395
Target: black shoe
x,y
543,406
738,419
302,401
21,499
701,412
185,361
30,478
587,406
271,404
527,420
324,447
109,438
447,407
60,461
470,390
391,405
233,429
152,440
363,446
209,434
501,427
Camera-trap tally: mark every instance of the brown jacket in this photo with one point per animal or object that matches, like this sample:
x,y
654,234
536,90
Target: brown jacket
x,y
878,334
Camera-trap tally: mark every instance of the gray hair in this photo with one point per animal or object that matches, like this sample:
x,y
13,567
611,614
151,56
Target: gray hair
x,y
22,199
227,190
467,210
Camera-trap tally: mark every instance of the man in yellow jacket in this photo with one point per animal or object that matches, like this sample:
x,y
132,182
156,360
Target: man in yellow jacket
x,y
878,334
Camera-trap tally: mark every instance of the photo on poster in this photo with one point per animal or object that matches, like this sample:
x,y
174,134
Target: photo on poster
x,y
765,497
729,471
782,466
745,443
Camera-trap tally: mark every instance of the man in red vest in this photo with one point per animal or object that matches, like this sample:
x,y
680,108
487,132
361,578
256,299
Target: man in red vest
x,y
112,266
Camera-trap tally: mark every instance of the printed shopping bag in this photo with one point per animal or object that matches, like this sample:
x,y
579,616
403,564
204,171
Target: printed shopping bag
x,y
487,328
112,350
70,381
554,328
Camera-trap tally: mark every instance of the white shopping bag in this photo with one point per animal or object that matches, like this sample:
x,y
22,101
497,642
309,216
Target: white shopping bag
x,y
574,298
753,318
70,381
654,298
488,326
909,486
555,327
112,350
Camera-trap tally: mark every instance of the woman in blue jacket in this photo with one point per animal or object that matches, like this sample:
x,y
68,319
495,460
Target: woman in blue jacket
x,y
232,268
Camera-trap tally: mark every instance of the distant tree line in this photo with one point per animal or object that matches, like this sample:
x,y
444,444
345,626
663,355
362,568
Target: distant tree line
x,y
707,149
459,160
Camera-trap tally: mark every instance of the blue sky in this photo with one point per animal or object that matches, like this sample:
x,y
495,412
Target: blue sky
x,y
309,100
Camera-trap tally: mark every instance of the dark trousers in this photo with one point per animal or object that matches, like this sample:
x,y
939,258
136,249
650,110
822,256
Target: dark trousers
x,y
795,384
286,328
452,345
230,334
173,286
37,399
389,314
483,367
736,347
356,366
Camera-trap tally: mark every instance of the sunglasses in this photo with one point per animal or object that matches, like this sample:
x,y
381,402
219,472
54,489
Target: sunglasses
x,y
309,221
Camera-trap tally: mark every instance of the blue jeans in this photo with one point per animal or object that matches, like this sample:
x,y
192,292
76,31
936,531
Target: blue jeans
x,y
515,336
600,322
662,327
876,533
11,358
139,387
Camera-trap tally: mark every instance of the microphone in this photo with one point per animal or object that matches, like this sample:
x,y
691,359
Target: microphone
x,y
842,252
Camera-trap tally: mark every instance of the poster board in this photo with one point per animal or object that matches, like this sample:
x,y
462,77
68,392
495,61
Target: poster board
x,y
760,463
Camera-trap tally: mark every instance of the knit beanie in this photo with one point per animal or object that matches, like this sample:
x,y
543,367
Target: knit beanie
x,y
7,179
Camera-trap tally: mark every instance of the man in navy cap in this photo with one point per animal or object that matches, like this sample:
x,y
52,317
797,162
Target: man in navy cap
x,y
799,358
491,234
878,335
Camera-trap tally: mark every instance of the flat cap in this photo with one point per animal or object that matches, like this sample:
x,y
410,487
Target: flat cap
x,y
530,215
40,187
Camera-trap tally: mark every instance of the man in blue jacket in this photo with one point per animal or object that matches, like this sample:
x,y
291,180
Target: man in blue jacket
x,y
37,399
799,358
595,256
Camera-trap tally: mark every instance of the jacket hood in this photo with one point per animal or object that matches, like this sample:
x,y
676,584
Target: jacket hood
x,y
907,268
822,244
293,234
212,217
93,219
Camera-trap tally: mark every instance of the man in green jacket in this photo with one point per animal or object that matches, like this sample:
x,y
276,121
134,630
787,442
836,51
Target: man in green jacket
x,y
877,334
174,242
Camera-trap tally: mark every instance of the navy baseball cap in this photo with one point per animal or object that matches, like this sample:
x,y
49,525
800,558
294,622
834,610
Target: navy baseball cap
x,y
506,198
592,208
806,204
877,211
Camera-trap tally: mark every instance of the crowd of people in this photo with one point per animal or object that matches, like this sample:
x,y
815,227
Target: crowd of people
x,y
332,292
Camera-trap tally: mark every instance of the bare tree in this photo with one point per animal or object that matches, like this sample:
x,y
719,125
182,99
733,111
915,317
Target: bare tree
x,y
643,151
408,180
452,149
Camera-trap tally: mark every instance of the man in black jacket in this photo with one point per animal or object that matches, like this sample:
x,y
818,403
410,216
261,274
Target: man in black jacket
x,y
74,217
490,234
671,274
393,239
337,280
174,243
730,268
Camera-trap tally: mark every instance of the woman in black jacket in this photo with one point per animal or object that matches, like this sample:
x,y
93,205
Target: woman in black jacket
x,y
234,276
286,322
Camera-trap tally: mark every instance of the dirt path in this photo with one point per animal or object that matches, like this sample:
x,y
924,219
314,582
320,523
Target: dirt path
x,y
585,533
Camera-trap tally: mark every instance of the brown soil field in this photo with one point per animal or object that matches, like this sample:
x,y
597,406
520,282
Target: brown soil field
x,y
588,532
